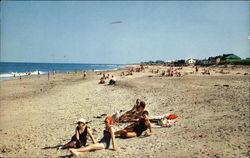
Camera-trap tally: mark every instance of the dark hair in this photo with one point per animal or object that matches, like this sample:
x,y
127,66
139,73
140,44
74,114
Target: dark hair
x,y
143,104
145,112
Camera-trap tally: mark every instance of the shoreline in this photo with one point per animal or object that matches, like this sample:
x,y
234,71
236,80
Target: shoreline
x,y
213,109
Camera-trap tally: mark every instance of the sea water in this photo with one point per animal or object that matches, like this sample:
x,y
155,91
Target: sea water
x,y
10,69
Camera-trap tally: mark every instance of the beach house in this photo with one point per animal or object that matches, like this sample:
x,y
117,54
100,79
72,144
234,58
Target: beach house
x,y
191,61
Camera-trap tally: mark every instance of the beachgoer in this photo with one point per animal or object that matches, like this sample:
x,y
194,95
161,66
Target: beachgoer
x,y
84,74
102,80
136,129
112,80
196,68
104,143
139,111
80,137
131,112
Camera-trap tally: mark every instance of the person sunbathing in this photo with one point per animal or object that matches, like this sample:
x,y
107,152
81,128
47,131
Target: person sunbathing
x,y
112,80
136,129
80,137
104,143
139,111
102,79
131,112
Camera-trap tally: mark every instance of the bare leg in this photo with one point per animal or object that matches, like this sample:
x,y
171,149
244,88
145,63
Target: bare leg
x,y
69,145
124,131
91,147
130,135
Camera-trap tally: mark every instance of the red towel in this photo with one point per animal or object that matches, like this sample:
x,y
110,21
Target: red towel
x,y
171,116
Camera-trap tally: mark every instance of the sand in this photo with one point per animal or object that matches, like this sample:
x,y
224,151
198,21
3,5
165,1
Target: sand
x,y
37,114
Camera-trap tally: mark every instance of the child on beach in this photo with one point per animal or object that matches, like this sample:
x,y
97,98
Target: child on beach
x,y
136,129
104,143
80,137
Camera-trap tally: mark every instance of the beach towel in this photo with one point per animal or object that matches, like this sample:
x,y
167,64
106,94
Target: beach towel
x,y
172,116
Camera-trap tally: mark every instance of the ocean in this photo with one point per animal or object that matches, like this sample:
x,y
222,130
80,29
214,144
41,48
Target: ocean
x,y
9,69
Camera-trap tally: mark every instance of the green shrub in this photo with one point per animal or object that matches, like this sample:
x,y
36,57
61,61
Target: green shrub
x,y
236,62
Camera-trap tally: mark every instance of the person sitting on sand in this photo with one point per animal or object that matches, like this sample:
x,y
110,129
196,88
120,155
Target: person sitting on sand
x,y
102,80
136,129
104,143
131,112
139,110
80,137
112,80
137,113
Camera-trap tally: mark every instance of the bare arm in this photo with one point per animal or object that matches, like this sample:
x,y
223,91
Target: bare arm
x,y
113,138
148,124
134,107
91,135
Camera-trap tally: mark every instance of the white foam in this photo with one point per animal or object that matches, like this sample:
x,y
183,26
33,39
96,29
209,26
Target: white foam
x,y
11,74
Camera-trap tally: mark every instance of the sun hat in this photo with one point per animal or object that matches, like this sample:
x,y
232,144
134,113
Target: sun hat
x,y
81,120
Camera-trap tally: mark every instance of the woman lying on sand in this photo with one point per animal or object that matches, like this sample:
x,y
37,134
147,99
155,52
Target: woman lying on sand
x,y
80,137
137,128
104,143
135,112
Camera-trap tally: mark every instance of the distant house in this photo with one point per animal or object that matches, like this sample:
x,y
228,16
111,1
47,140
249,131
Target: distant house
x,y
214,60
218,59
179,63
202,62
191,61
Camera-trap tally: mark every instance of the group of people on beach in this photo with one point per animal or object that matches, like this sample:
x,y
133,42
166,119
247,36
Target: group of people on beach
x,y
106,77
138,114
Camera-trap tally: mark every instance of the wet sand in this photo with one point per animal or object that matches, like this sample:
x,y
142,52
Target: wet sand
x,y
37,114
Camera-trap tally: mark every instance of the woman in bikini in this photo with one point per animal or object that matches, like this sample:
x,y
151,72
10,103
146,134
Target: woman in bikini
x,y
136,129
104,143
80,137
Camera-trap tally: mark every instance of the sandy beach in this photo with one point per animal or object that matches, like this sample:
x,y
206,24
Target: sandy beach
x,y
37,114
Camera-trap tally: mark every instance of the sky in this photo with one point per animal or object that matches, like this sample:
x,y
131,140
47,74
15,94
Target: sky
x,y
122,32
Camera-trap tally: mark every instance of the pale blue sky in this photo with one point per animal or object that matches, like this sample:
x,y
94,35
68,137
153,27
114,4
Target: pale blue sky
x,y
81,32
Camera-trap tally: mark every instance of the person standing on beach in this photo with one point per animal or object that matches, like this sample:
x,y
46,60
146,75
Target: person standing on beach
x,y
104,143
84,74
48,76
196,69
80,137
